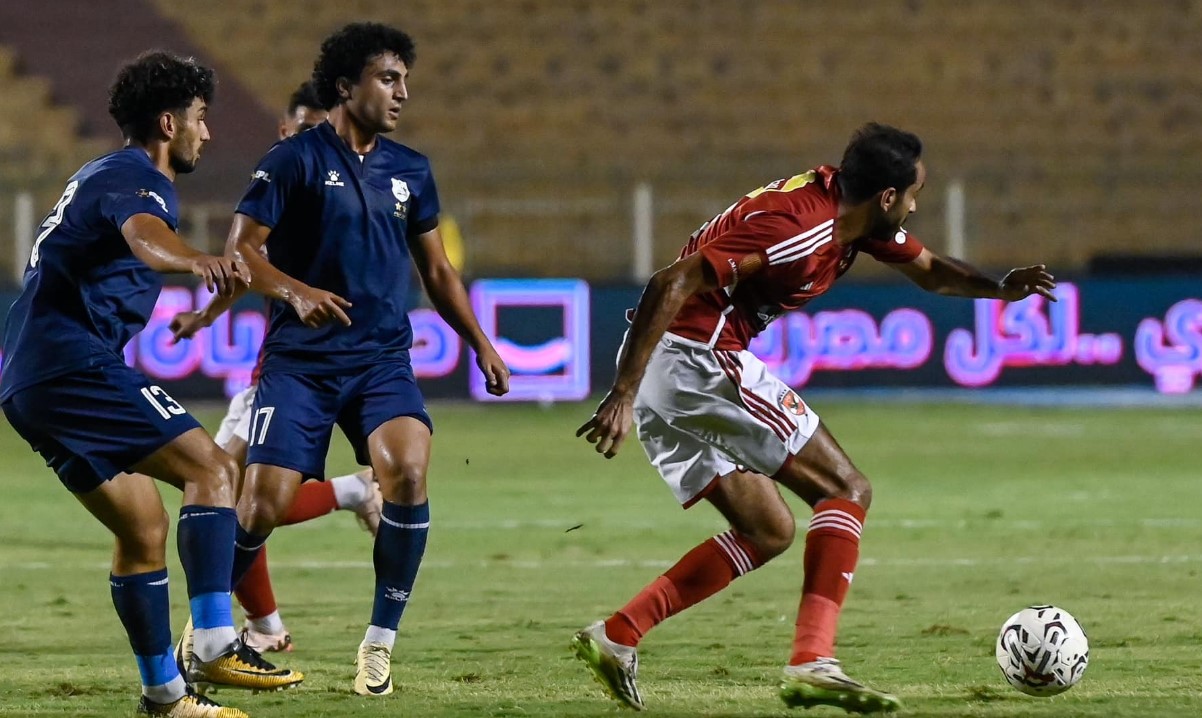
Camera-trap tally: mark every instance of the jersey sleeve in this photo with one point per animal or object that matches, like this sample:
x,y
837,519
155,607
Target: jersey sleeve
x,y
901,248
276,177
756,235
125,194
425,207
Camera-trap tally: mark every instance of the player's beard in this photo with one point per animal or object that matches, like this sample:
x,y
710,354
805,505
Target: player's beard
x,y
182,165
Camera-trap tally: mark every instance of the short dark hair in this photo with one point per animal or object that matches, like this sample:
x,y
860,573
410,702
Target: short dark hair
x,y
347,52
154,83
878,157
304,96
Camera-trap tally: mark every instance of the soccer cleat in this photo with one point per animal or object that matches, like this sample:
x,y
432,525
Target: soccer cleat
x,y
368,512
190,706
823,683
614,666
183,649
266,642
373,669
240,667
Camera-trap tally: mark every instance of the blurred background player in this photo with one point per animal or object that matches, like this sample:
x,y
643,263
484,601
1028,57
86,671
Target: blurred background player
x,y
91,283
345,214
719,426
264,629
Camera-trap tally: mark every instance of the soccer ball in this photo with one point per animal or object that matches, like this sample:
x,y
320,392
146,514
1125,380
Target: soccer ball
x,y
1042,650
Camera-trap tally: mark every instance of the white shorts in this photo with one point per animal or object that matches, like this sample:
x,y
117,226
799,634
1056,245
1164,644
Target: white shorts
x,y
237,417
703,413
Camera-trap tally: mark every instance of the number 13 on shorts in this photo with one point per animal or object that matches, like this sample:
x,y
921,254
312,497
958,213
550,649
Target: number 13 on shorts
x,y
259,424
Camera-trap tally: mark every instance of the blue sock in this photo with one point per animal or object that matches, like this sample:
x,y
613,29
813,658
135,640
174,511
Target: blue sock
x,y
206,549
246,549
144,608
400,545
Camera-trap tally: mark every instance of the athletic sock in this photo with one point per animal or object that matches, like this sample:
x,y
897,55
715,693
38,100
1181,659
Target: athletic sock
x,y
832,550
247,547
700,573
254,592
313,499
349,491
271,623
400,545
143,605
206,540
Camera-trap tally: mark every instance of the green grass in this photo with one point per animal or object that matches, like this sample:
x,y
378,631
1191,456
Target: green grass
x,y
979,511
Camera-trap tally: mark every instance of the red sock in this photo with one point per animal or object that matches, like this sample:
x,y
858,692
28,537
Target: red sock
x,y
313,499
255,593
832,549
701,573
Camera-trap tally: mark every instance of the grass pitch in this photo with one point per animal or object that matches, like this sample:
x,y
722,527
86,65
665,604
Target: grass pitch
x,y
978,511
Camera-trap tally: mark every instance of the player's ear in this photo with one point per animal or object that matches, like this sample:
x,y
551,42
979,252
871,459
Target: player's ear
x,y
889,197
343,86
168,124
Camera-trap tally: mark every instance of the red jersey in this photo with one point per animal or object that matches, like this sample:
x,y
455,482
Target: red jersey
x,y
790,224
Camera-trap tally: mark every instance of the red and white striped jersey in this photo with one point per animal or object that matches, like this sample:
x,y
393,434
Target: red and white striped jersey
x,y
790,223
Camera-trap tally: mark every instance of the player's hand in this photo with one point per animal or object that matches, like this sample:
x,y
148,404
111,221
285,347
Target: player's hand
x,y
610,424
1022,283
222,275
185,325
317,307
496,374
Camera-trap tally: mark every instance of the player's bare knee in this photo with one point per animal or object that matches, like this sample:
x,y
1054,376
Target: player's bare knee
x,y
403,481
855,487
772,538
145,543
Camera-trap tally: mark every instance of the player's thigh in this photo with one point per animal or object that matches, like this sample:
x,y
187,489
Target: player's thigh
x,y
823,470
93,424
194,463
291,421
385,419
130,507
267,494
399,452
753,506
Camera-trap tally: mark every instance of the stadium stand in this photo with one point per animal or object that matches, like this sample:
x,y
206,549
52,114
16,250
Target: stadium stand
x,y
1072,124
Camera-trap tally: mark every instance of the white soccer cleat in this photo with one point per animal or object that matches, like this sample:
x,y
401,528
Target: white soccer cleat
x,y
373,669
613,665
368,512
823,683
267,642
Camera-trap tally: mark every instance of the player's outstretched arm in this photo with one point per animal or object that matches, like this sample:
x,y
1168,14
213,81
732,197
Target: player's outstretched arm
x,y
315,307
447,293
953,277
184,325
662,299
161,249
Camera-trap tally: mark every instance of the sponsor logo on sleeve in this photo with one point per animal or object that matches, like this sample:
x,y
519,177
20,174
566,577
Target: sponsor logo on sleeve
x,y
261,175
151,194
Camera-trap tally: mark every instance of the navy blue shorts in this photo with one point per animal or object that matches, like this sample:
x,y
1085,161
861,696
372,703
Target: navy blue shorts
x,y
294,414
92,424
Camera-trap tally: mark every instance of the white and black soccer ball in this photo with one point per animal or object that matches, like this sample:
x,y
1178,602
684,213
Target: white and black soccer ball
x,y
1042,650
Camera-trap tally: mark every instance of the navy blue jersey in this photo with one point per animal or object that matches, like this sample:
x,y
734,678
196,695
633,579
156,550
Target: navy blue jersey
x,y
84,293
341,222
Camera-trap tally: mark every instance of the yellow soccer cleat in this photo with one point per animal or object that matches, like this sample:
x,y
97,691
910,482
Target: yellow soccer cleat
x,y
190,706
373,669
241,667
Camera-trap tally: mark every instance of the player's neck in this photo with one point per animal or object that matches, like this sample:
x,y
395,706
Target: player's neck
x,y
357,137
852,223
159,154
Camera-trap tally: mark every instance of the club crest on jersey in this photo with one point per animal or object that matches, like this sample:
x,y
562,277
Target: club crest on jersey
x,y
400,190
151,194
791,402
